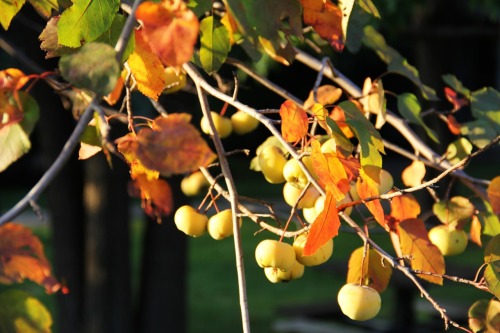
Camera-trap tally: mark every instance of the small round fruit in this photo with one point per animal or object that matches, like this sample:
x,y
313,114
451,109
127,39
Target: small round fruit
x,y
220,225
272,161
449,241
194,184
319,257
175,80
294,174
292,193
386,182
275,275
310,214
275,254
359,302
222,124
190,222
243,123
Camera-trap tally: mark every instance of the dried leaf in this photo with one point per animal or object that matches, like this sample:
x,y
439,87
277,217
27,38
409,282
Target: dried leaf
x,y
425,256
156,196
405,207
49,42
326,19
326,95
475,231
147,68
494,194
22,257
170,28
366,188
413,174
294,122
371,271
325,227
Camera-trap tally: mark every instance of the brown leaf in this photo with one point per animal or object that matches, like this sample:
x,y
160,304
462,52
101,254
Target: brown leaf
x,y
425,256
325,227
475,231
413,174
156,196
170,28
494,194
147,68
326,19
371,271
326,95
22,257
405,207
366,188
294,122
172,146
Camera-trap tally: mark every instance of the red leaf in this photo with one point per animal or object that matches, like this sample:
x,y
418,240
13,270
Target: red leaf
x,y
22,257
326,19
366,188
494,194
452,97
294,121
325,227
453,124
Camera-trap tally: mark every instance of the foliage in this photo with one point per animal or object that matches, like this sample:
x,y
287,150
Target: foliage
x,y
337,128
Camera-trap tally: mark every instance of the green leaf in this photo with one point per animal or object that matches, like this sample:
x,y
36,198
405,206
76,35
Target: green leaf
x,y
485,105
93,67
20,312
492,250
369,7
395,62
355,31
368,136
409,108
342,141
45,7
458,150
480,132
477,315
200,7
215,44
112,35
493,317
85,20
490,222
453,211
455,84
9,9
492,275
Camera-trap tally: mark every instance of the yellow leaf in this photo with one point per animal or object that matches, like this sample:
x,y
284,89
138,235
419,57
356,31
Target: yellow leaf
x,y
413,174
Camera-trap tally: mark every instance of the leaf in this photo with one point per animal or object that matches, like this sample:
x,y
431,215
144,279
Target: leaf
x,y
371,271
409,108
49,40
453,124
477,315
492,276
156,196
9,9
480,132
339,130
326,19
45,7
127,146
425,255
85,20
12,79
455,84
405,207
475,231
452,212
325,227
170,28
485,104
396,63
490,223
22,257
20,312
215,44
413,174
325,95
294,122
172,146
493,317
366,188
458,150
369,7
147,68
346,8
492,250
494,194
452,97
112,35
93,67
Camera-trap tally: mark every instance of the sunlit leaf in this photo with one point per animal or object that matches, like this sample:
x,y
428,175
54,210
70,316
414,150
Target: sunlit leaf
x,y
85,20
294,122
477,315
9,9
156,196
366,188
45,7
232,28
346,8
325,95
340,130
147,68
453,124
493,317
425,255
49,41
127,145
170,28
371,271
475,231
12,79
325,227
485,104
494,194
326,19
455,84
369,7
405,207
21,312
492,250
22,257
458,150
93,67
480,132
413,174
452,97
173,146
492,276
410,108
490,223
457,209
215,44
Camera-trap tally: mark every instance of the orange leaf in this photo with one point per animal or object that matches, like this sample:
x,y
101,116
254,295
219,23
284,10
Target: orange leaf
x,y
325,227
371,271
294,122
453,124
366,188
170,28
12,79
172,146
338,115
22,257
494,194
475,231
115,95
326,95
330,171
452,97
404,207
425,256
156,196
147,69
413,174
326,19
127,146
351,166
